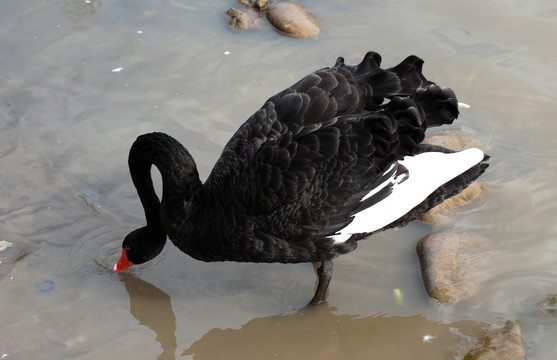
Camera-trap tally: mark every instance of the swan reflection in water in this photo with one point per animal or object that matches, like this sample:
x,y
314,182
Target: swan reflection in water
x,y
310,333
152,308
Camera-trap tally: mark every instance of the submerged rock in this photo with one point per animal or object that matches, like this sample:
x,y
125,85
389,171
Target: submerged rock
x,y
503,343
291,19
450,264
548,306
455,139
239,19
257,4
438,215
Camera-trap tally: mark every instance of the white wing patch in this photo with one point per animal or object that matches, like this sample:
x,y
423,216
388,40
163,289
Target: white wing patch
x,y
383,185
426,172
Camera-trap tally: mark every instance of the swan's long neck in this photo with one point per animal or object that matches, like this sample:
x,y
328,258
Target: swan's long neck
x,y
179,177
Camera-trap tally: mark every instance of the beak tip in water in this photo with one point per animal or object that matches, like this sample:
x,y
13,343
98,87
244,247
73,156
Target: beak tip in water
x,y
123,263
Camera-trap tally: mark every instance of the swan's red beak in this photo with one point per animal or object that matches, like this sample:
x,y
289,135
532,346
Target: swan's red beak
x,y
123,263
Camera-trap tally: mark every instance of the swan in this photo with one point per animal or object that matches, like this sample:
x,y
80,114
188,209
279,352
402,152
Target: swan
x,y
327,162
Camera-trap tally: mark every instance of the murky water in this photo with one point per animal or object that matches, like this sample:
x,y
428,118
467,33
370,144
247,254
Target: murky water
x,y
80,79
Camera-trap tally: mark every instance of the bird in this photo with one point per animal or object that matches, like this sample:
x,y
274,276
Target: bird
x,y
329,161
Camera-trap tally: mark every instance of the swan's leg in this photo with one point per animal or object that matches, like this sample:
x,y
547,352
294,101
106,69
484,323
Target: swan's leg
x,y
324,273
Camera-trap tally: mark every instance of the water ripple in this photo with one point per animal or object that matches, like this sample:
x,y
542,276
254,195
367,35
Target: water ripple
x,y
97,246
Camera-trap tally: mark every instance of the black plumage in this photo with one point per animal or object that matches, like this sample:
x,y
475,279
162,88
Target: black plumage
x,y
296,171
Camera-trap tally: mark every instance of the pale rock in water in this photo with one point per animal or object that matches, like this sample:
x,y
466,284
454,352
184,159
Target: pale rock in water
x,y
455,139
548,306
291,19
239,19
504,343
451,265
438,215
257,4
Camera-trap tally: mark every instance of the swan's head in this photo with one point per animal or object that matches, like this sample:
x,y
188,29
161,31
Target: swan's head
x,y
140,246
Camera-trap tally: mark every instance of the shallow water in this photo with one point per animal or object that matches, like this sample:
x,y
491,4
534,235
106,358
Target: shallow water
x,y
80,79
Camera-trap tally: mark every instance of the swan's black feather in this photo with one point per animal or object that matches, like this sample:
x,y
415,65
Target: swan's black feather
x,y
296,171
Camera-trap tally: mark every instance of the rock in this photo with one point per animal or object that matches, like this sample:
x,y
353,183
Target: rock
x,y
455,139
258,4
239,19
438,215
450,264
292,20
548,307
503,343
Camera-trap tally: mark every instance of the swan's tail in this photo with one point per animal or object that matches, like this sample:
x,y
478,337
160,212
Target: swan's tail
x,y
439,104
403,80
409,73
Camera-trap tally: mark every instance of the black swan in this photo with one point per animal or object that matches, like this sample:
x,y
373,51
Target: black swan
x,y
331,160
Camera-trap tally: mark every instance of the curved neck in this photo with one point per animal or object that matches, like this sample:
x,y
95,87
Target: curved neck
x,y
178,171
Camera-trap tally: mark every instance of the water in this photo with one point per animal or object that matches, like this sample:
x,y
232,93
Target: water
x,y
80,79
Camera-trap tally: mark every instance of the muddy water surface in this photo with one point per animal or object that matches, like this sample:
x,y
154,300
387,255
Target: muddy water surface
x,y
80,79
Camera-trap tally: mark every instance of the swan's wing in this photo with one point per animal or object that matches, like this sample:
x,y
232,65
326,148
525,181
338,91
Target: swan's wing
x,y
317,99
294,179
315,180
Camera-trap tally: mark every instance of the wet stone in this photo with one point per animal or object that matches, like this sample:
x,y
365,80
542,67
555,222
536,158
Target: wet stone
x,y
291,19
239,19
451,263
257,4
548,306
439,215
456,139
504,343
